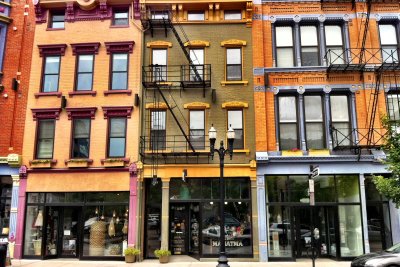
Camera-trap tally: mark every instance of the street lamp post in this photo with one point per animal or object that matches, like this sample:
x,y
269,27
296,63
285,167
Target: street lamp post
x,y
212,133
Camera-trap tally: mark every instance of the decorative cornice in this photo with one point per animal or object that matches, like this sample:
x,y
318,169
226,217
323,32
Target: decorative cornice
x,y
235,104
86,12
233,42
124,111
81,112
23,172
196,105
117,47
52,49
85,48
197,43
158,105
41,14
159,44
46,113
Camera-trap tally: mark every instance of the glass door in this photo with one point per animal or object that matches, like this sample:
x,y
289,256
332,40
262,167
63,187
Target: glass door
x,y
52,223
178,229
69,234
194,230
302,231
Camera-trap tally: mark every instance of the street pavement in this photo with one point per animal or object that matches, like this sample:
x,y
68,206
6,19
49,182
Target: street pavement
x,y
175,262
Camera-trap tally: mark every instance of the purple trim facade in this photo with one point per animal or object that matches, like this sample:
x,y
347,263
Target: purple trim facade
x,y
113,92
85,48
41,14
74,93
117,111
133,171
136,9
52,50
19,235
119,47
46,113
81,112
57,94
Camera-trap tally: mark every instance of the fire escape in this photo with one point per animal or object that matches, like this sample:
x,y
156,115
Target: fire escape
x,y
383,64
162,83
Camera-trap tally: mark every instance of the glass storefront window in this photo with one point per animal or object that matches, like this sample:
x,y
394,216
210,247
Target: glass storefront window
x,y
299,189
5,204
351,240
63,197
237,189
107,197
279,236
33,230
210,188
183,190
105,231
348,189
33,198
325,189
277,189
238,228
210,228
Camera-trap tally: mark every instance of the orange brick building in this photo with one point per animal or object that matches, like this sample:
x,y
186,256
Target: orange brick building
x,y
318,99
78,179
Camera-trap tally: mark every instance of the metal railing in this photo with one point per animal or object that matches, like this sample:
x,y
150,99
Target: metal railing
x,y
184,76
358,59
349,138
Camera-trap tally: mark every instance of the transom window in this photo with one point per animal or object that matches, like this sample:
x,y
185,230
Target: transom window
x,y
309,46
196,15
197,128
235,119
119,75
57,20
51,74
284,46
234,64
158,130
334,44
288,137
84,75
45,139
121,17
81,138
116,137
233,15
389,43
314,122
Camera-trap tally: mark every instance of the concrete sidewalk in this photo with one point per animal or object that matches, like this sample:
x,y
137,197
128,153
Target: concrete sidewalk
x,y
175,262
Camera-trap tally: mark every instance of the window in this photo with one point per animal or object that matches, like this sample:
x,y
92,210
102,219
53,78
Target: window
x,y
45,139
284,46
196,15
120,17
314,122
389,44
234,64
233,15
81,138
197,57
334,44
288,137
51,74
393,100
341,118
6,185
119,75
158,130
235,119
57,20
159,61
116,137
197,128
309,46
84,74
159,15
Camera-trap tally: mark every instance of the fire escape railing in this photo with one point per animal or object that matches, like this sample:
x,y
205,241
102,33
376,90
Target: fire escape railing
x,y
356,138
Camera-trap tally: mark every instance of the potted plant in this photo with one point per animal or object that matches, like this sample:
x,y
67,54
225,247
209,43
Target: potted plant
x,y
130,254
52,248
162,255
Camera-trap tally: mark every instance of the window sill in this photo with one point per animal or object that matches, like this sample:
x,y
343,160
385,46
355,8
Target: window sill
x,y
223,83
155,151
55,29
119,26
290,153
114,92
57,94
74,93
42,163
247,151
78,163
114,162
319,152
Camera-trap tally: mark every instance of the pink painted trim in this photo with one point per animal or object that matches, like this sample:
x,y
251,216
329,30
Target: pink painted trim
x,y
85,48
81,112
46,113
55,29
119,47
57,94
75,93
113,92
132,229
124,111
52,49
119,26
20,219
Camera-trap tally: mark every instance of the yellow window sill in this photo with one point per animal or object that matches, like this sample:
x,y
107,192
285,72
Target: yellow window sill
x,y
319,152
247,151
165,83
223,83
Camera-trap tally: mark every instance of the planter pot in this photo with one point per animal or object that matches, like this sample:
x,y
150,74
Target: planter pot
x,y
164,259
41,165
130,258
53,251
114,163
78,164
37,246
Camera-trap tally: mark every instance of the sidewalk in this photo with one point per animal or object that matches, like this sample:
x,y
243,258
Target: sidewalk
x,y
175,263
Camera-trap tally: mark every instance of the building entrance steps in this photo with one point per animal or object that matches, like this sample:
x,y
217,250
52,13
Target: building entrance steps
x,y
175,261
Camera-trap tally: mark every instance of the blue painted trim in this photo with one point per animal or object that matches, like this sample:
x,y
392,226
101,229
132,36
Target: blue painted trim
x,y
262,219
7,170
3,36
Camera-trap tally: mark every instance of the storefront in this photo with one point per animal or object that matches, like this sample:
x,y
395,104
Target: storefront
x,y
76,225
194,217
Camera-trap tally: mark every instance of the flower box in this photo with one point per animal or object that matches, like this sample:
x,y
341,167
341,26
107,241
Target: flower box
x,y
319,152
78,163
114,162
42,163
292,153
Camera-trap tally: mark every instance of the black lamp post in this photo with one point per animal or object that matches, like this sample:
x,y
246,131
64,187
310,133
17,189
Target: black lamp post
x,y
212,134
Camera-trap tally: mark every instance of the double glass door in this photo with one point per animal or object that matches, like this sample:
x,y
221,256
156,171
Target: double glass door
x,y
61,232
